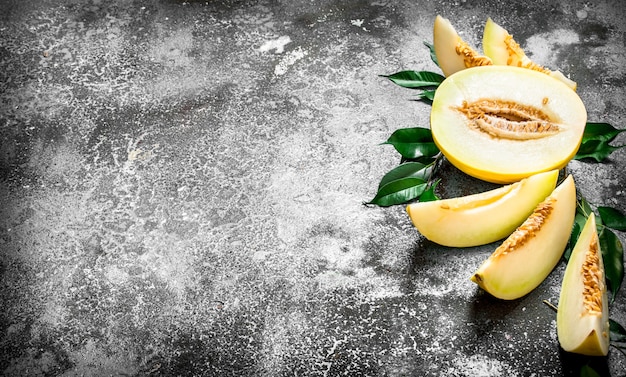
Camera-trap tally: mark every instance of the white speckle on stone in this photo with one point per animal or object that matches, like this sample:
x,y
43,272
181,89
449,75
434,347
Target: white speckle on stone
x,y
544,48
479,365
288,60
358,22
278,45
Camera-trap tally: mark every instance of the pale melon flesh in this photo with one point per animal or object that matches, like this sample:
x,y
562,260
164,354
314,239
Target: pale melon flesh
x,y
503,123
524,260
502,49
583,315
452,52
482,218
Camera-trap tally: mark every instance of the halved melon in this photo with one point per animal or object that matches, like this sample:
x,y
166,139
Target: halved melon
x,y
529,254
503,123
582,319
482,218
453,54
502,49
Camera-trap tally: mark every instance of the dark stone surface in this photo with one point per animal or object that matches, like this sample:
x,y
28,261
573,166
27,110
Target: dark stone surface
x,y
182,189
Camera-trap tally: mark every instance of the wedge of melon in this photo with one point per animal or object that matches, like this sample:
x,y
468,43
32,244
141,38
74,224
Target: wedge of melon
x,y
502,49
482,218
582,319
503,123
528,255
453,54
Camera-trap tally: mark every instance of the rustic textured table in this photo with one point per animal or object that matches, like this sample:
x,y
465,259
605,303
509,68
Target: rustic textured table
x,y
183,185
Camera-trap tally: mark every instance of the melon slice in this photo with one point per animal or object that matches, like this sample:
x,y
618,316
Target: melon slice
x,y
582,319
529,254
503,123
453,54
481,218
502,49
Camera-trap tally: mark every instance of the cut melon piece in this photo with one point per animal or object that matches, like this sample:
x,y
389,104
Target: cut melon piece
x,y
482,218
582,319
529,254
503,123
502,49
453,54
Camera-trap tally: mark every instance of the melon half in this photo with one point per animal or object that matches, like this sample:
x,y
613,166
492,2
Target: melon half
x,y
503,123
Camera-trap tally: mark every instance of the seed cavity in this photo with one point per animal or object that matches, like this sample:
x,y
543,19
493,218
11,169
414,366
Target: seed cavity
x,y
470,57
593,279
528,229
508,119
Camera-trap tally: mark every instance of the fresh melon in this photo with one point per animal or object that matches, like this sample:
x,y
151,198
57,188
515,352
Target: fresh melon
x,y
452,52
502,49
481,218
503,123
528,255
582,319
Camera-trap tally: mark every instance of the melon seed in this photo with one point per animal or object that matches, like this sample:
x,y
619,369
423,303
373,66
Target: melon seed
x,y
592,279
470,57
528,229
508,119
514,49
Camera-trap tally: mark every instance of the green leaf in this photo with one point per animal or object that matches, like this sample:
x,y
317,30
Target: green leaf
x,y
414,79
595,142
407,170
427,95
433,56
595,150
587,371
612,218
617,332
613,257
399,191
413,143
429,195
600,131
583,207
579,222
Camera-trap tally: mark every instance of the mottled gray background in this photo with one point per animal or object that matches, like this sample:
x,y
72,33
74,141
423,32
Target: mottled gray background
x,y
182,186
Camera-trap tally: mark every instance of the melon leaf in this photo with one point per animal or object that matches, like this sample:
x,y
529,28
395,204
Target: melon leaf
x,y
433,56
416,79
399,191
427,95
617,332
612,218
595,142
587,371
613,257
413,143
407,170
600,131
429,195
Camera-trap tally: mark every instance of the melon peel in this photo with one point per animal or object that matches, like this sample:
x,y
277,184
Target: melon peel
x,y
502,49
524,260
500,135
452,52
482,218
582,316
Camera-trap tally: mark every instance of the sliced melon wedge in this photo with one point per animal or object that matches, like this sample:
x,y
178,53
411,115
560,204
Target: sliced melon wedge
x,y
502,123
481,218
502,49
453,54
529,254
582,319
